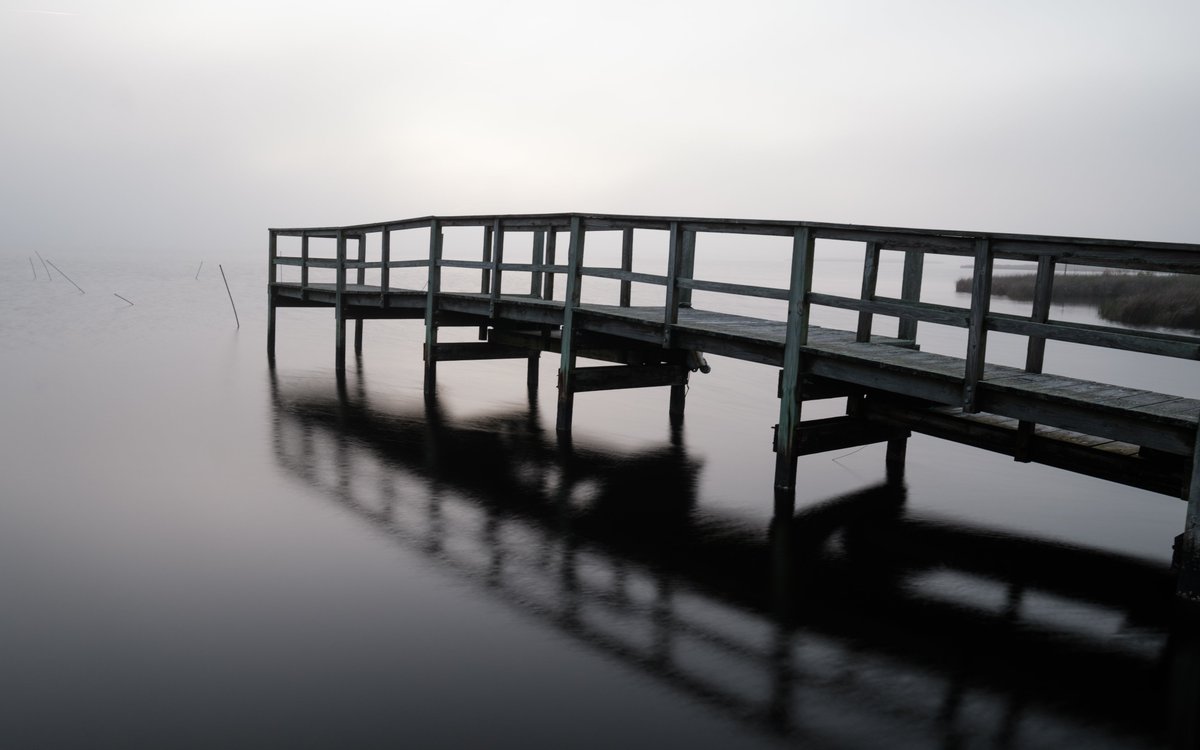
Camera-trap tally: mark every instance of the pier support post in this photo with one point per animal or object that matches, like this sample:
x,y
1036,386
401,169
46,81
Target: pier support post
x,y
566,368
340,305
272,253
1186,560
680,259
433,287
535,291
360,279
531,372
678,401
803,244
270,323
897,452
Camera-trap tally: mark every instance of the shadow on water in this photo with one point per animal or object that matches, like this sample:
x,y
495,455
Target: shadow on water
x,y
851,623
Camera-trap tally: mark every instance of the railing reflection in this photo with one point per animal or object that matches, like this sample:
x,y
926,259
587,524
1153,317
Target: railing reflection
x,y
849,623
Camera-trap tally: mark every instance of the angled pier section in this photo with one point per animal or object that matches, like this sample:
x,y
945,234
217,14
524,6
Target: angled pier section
x,y
543,302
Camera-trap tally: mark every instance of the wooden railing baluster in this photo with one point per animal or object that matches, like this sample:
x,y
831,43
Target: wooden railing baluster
x,y
626,265
870,280
981,295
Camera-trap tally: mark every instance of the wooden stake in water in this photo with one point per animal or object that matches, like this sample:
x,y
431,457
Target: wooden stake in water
x,y
121,298
68,278
33,268
198,270
43,260
235,315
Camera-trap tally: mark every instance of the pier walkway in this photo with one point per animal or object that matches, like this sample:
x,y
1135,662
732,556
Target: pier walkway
x,y
1135,437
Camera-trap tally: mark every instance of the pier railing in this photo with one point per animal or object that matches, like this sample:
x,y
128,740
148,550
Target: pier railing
x,y
679,280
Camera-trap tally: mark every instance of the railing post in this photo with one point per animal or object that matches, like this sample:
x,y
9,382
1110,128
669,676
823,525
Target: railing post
x,y
626,265
981,297
385,271
272,277
687,266
340,304
1035,354
485,286
910,291
566,369
433,288
497,261
485,275
800,284
679,265
551,244
1035,351
360,279
539,262
870,281
674,263
304,266
535,290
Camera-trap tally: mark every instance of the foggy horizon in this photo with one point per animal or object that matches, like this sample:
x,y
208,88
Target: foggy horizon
x,y
166,128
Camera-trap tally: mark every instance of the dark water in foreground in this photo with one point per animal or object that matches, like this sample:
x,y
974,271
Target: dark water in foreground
x,y
198,550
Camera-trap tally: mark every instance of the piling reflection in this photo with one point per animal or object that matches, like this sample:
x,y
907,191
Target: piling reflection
x,y
851,623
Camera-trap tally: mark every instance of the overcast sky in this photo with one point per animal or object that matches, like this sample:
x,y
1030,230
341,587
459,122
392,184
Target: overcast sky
x,y
166,126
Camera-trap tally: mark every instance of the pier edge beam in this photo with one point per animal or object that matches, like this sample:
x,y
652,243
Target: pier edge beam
x,y
1186,559
433,287
566,367
272,254
803,245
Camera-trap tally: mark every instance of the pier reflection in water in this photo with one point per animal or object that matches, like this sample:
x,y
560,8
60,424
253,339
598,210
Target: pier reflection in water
x,y
853,623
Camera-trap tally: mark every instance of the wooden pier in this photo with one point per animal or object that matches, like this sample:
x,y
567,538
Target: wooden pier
x,y
1135,437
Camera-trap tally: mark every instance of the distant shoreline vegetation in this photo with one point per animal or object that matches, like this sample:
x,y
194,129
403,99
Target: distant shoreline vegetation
x,y
1141,299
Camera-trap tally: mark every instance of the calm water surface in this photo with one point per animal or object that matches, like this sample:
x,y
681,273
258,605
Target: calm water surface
x,y
200,551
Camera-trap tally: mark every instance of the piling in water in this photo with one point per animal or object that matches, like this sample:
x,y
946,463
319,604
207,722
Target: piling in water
x,y
68,278
43,260
33,268
198,270
235,315
121,298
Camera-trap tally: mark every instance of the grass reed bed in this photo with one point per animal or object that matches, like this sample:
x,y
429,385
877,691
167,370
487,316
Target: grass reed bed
x,y
1140,299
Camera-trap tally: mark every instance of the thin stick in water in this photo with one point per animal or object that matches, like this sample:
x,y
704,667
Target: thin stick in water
x,y
43,260
235,315
33,268
198,270
68,278
121,298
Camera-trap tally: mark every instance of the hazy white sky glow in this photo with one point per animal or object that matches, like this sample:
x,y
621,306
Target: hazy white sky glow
x,y
179,126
